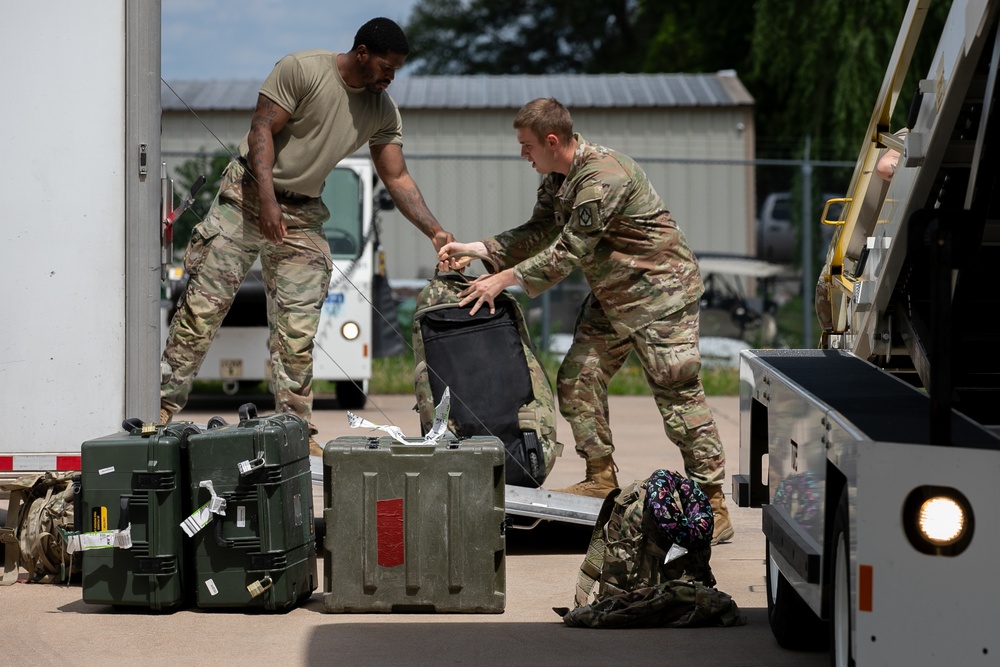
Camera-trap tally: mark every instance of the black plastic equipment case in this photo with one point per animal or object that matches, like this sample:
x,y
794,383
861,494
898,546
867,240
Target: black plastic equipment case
x,y
261,552
136,481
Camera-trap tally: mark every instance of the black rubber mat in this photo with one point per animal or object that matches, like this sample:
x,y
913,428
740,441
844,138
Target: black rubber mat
x,y
882,406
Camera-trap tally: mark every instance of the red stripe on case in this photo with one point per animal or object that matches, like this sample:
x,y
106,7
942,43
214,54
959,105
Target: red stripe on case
x,y
390,532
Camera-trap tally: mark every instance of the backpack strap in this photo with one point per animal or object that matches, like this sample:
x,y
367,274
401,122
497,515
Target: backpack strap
x,y
31,532
590,569
8,537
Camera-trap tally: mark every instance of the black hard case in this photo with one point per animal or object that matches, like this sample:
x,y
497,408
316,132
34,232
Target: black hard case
x,y
266,540
137,478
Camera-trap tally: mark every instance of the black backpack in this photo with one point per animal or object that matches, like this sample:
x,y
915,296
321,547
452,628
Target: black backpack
x,y
498,386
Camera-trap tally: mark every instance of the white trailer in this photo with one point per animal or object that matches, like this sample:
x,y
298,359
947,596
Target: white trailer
x,y
80,237
875,457
82,253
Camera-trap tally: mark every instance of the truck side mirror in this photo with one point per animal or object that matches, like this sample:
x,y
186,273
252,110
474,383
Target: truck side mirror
x,y
385,202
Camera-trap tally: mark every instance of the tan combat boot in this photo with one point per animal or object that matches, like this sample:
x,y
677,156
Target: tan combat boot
x,y
165,416
723,527
314,448
601,479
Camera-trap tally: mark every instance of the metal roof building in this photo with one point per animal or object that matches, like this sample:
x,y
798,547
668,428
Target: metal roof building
x,y
692,133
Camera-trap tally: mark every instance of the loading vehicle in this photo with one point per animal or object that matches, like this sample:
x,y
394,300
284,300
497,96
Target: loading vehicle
x,y
874,456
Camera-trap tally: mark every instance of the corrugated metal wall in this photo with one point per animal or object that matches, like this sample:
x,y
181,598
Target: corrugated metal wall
x,y
466,162
468,167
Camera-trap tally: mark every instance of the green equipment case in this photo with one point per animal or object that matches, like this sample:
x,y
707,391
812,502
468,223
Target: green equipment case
x,y
133,496
414,527
252,524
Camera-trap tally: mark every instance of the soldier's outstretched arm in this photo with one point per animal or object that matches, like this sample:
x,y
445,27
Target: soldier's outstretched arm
x,y
391,168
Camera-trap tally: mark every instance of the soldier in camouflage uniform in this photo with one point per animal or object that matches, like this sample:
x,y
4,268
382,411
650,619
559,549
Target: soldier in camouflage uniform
x,y
596,210
314,109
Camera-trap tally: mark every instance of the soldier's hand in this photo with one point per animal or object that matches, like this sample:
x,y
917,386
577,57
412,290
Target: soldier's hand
x,y
447,261
485,289
441,239
272,225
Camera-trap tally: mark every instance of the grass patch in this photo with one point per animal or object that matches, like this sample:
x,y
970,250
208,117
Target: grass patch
x,y
394,375
789,321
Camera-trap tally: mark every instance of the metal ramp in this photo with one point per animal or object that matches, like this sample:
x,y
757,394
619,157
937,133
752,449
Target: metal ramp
x,y
538,504
543,505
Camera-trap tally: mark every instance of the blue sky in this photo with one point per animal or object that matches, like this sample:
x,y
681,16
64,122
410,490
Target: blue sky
x,y
242,39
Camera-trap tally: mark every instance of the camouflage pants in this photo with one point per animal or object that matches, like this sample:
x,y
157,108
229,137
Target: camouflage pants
x,y
296,274
668,352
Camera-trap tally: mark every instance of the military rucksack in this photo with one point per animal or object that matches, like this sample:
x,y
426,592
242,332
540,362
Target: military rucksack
x,y
647,563
39,516
498,386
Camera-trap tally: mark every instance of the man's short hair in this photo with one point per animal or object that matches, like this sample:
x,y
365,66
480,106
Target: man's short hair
x,y
380,36
545,116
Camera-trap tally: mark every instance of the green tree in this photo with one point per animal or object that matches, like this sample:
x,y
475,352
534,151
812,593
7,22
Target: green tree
x,y
817,67
572,36
696,36
814,68
211,167
528,36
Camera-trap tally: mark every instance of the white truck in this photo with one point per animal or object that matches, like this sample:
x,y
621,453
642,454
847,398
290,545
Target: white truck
x,y
344,341
875,457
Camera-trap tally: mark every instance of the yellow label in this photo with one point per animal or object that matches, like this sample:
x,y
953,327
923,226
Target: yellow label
x,y
100,516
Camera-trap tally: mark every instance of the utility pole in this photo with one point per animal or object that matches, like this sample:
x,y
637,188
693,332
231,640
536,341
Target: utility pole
x,y
808,279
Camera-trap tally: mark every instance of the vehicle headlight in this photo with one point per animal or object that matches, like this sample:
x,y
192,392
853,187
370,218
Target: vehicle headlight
x,y
350,330
941,520
938,520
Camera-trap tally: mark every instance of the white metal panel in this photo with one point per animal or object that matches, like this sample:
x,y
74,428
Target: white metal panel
x,y
62,247
925,609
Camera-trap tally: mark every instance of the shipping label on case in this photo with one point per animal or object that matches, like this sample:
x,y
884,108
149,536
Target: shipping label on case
x,y
99,516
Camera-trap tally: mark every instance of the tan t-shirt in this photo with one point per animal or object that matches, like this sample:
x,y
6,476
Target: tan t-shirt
x,y
329,120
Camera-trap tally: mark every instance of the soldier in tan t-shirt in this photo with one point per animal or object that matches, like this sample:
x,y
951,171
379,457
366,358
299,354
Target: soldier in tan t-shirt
x,y
314,109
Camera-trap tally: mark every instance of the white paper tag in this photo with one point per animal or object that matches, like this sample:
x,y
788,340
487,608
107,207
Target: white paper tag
x,y
201,517
210,585
105,471
241,516
123,538
104,539
355,421
441,412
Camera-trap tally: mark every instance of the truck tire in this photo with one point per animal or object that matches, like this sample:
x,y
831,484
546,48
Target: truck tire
x,y
793,623
841,637
350,395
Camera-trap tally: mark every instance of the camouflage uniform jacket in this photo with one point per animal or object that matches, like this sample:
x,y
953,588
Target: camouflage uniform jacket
x,y
604,217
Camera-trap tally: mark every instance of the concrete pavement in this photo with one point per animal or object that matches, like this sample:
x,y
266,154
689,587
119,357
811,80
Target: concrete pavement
x,y
50,624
